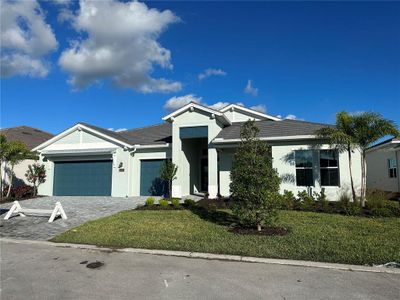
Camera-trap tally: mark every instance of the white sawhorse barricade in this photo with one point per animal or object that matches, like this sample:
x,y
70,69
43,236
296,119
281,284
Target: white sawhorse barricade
x,y
17,209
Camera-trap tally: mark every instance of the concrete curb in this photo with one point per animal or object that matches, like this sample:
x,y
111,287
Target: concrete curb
x,y
210,256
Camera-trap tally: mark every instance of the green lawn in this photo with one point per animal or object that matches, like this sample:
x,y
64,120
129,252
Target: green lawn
x,y
313,236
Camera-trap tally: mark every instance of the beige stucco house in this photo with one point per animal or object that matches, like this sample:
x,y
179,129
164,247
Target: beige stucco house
x,y
201,141
383,166
31,137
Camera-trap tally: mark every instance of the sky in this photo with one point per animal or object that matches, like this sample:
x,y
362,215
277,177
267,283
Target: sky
x,y
122,64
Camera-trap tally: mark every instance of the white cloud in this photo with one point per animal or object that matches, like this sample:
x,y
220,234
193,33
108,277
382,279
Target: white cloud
x,y
178,101
25,39
211,72
121,46
219,105
250,89
291,117
118,130
260,107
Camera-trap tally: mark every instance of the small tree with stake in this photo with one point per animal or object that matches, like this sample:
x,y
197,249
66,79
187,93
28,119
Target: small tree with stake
x,y
254,182
36,175
168,173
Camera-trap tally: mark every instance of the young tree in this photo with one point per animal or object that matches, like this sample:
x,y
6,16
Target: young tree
x,y
254,182
168,173
11,154
368,128
36,175
341,137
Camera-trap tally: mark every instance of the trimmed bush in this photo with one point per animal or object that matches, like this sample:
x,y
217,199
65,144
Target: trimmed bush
x,y
19,192
394,207
163,203
288,200
175,202
307,201
150,201
190,202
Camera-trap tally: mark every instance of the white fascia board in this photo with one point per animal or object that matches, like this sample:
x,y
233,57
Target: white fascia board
x,y
78,151
392,144
193,105
248,110
275,138
72,129
151,146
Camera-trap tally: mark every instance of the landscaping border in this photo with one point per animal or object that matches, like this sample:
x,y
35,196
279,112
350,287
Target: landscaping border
x,y
210,256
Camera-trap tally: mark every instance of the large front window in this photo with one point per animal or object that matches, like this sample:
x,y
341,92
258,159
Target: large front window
x,y
329,167
304,168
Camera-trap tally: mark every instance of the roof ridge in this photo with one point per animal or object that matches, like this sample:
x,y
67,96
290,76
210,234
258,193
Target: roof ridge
x,y
144,127
26,126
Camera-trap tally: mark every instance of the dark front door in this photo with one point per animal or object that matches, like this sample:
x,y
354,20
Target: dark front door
x,y
82,178
204,174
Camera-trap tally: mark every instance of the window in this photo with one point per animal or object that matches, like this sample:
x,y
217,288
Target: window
x,y
304,168
329,167
392,168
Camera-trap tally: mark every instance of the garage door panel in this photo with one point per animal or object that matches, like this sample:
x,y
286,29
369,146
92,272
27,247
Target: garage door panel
x,y
82,178
150,182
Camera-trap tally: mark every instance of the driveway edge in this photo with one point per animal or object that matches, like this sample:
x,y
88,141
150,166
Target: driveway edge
x,y
210,256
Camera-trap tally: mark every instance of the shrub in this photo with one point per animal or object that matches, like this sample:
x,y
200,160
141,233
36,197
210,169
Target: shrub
x,y
190,202
307,201
175,202
288,200
150,201
381,212
19,192
352,209
394,207
375,199
346,205
163,203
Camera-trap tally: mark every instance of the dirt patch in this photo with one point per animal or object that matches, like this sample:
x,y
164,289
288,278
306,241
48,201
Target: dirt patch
x,y
269,231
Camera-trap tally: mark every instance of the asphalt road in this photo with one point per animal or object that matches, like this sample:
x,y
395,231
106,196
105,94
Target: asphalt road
x,y
47,272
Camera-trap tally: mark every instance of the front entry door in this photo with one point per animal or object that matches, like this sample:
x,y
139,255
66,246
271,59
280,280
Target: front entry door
x,y
204,174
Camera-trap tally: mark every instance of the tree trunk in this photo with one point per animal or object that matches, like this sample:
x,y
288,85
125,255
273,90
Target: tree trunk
x,y
258,227
351,175
363,178
10,179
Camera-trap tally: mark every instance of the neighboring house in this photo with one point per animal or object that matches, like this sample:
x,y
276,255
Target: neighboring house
x,y
383,166
88,160
31,137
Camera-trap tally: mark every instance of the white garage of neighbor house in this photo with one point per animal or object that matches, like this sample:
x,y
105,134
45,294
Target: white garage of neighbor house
x,y
88,160
383,166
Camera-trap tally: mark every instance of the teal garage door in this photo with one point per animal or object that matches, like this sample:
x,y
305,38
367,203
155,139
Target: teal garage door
x,y
150,182
82,178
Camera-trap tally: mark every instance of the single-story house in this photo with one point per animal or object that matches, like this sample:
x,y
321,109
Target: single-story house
x,y
383,166
31,137
201,141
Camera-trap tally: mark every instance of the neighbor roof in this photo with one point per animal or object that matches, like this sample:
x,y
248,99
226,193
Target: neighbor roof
x,y
30,136
271,129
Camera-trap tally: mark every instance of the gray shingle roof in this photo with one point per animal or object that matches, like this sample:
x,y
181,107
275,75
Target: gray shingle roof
x,y
151,135
30,136
270,128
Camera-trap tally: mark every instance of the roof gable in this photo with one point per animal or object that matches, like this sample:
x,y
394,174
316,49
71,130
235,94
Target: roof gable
x,y
249,112
192,106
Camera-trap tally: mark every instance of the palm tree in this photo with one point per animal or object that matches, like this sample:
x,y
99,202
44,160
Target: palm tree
x,y
341,137
13,153
368,128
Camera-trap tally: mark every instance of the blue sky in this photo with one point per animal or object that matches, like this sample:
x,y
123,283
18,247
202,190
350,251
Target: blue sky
x,y
303,58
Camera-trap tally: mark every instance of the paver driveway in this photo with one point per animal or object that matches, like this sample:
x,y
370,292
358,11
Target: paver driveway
x,y
78,210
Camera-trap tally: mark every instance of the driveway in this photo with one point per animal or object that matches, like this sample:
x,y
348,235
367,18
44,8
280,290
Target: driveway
x,y
78,210
37,271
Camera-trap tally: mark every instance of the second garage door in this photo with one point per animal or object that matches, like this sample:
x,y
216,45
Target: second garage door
x,y
82,178
150,182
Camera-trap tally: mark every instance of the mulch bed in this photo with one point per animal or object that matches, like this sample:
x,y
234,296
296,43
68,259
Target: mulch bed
x,y
269,231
